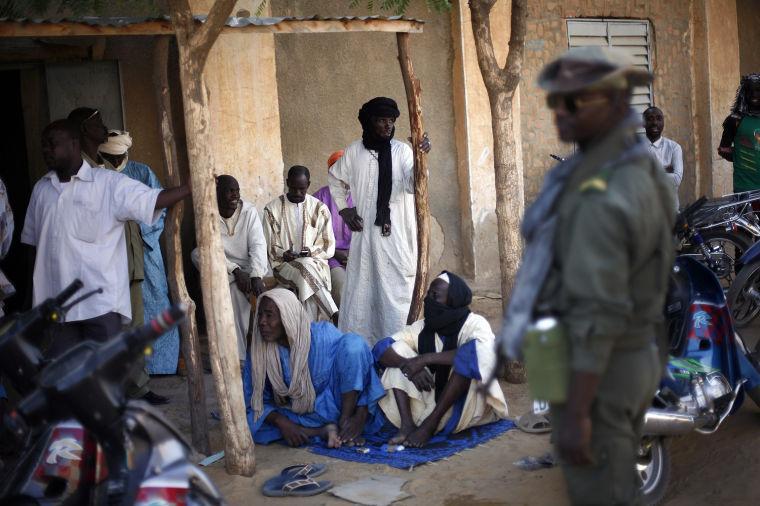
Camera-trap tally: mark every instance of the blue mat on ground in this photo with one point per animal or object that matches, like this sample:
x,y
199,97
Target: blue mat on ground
x,y
439,447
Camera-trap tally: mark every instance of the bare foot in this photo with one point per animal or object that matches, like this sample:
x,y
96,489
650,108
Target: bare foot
x,y
420,437
352,427
330,434
402,434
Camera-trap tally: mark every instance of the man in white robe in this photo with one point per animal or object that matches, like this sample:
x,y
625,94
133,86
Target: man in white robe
x,y
435,368
299,232
245,249
379,173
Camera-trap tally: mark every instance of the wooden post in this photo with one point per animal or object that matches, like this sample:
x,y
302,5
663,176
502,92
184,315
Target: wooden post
x,y
194,44
177,287
413,92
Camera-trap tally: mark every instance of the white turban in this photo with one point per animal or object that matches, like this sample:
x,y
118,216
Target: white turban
x,y
118,143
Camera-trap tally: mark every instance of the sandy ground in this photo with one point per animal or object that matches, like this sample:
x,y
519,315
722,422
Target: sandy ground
x,y
718,469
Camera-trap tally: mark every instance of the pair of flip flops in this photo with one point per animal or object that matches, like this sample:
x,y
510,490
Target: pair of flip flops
x,y
297,481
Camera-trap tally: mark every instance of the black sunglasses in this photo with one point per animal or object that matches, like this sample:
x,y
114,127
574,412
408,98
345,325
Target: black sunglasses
x,y
573,103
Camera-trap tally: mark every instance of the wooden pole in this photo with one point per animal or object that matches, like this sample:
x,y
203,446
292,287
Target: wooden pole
x,y
194,44
413,92
177,287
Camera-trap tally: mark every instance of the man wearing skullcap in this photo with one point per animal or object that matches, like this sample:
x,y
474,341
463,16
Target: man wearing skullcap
x,y
154,287
342,236
598,252
378,171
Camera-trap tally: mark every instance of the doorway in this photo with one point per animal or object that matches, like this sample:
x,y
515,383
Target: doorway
x,y
14,171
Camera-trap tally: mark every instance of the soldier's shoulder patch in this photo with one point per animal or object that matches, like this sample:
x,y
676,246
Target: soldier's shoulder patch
x,y
593,184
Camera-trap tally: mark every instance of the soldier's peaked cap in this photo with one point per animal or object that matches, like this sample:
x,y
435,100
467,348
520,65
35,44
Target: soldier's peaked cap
x,y
592,67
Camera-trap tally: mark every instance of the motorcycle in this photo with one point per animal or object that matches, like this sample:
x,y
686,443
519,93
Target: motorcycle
x,y
117,451
714,233
744,295
708,375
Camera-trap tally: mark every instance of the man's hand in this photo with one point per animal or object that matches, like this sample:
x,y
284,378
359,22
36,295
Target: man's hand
x,y
352,219
574,440
415,369
727,153
288,256
341,255
242,280
413,365
424,144
257,285
292,433
423,380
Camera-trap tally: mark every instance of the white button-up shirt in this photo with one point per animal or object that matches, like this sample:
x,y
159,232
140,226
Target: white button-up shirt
x,y
668,152
78,230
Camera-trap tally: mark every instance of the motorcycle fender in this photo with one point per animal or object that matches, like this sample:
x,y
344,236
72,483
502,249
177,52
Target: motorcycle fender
x,y
752,254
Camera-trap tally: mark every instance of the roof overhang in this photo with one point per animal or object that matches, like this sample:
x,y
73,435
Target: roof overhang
x,y
124,26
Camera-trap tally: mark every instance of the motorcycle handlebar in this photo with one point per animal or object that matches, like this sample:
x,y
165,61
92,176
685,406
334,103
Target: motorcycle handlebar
x,y
157,326
67,292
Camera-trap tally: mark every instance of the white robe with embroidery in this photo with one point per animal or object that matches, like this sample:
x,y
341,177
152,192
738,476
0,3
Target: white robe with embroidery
x,y
244,247
308,276
381,270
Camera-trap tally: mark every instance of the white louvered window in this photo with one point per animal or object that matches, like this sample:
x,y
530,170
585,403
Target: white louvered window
x,y
631,36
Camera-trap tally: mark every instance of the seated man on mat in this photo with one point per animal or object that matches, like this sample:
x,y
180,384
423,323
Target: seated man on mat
x,y
434,367
308,379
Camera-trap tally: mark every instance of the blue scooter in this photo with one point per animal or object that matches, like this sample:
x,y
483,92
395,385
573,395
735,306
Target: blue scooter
x,y
709,369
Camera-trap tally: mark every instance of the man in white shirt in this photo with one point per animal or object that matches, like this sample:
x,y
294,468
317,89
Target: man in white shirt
x,y
245,250
667,151
75,220
300,240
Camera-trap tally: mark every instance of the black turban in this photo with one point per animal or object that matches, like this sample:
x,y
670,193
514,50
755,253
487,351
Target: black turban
x,y
446,320
380,107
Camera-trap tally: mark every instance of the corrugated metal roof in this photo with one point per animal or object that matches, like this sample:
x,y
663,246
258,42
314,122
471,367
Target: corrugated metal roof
x,y
234,22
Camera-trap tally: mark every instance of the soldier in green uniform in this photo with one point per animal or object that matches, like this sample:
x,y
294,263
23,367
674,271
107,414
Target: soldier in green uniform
x,y
598,250
740,142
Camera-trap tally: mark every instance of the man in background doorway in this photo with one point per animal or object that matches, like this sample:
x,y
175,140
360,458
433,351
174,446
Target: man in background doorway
x,y
668,152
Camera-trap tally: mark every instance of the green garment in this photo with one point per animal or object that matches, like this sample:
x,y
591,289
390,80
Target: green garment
x,y
607,283
747,155
136,270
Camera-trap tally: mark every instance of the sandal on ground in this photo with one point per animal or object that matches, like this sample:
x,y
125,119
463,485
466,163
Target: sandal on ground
x,y
304,471
281,486
534,423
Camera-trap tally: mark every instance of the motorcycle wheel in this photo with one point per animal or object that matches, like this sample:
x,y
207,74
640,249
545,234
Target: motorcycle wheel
x,y
744,307
733,245
653,468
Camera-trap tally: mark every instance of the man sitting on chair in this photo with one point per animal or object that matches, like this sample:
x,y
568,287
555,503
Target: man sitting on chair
x,y
245,251
434,368
299,232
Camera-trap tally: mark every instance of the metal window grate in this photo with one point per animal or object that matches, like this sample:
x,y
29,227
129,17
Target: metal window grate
x,y
631,36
